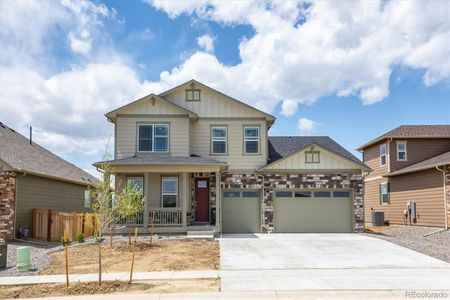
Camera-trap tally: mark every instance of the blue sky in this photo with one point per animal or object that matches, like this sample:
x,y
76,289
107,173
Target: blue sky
x,y
352,70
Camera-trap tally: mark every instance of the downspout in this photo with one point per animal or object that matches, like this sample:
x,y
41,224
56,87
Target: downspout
x,y
445,196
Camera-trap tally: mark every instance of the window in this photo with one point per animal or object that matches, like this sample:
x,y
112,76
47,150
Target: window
x,y
219,140
87,199
231,194
169,193
312,156
137,182
251,140
193,95
322,194
153,138
341,194
384,193
302,194
401,151
283,194
254,194
382,154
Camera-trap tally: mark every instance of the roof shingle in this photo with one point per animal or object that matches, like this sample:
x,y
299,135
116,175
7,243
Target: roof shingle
x,y
17,152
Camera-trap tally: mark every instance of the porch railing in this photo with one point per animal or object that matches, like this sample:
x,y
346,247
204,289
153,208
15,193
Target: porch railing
x,y
165,216
138,219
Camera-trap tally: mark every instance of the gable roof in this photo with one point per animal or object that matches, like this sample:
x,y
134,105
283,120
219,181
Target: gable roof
x,y
152,97
17,152
413,131
283,146
269,117
437,161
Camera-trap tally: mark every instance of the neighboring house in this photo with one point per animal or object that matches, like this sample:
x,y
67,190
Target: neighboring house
x,y
33,177
202,157
409,163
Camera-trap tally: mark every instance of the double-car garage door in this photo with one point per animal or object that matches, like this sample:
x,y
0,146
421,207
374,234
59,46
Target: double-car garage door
x,y
294,211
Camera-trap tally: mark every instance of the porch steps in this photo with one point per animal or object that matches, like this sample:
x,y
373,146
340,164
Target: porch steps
x,y
201,234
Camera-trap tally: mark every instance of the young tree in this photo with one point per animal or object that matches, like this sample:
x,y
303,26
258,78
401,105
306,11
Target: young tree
x,y
129,203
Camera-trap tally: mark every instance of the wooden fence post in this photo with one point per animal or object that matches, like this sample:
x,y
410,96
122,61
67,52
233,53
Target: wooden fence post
x,y
49,225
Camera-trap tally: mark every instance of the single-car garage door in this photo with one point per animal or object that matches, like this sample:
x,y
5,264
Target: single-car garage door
x,y
241,211
313,211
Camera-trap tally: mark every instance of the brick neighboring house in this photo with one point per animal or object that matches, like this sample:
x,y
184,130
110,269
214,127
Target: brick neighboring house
x,y
33,177
202,157
409,163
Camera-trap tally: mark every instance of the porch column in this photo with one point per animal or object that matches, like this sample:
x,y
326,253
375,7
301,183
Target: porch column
x,y
146,195
185,186
218,204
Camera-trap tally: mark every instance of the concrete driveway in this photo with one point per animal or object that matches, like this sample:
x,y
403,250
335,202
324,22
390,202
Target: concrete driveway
x,y
256,262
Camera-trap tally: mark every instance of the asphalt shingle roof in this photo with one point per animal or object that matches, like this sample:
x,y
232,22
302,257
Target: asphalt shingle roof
x,y
163,160
413,131
282,146
17,152
440,160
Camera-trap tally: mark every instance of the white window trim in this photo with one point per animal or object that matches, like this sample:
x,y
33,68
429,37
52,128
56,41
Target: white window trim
x,y
398,151
219,139
163,193
385,154
252,139
153,138
387,193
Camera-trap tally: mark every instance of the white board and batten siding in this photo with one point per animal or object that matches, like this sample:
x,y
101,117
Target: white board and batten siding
x,y
328,161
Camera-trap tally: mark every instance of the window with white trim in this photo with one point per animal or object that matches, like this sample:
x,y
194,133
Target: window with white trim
x,y
382,154
384,193
401,151
312,157
153,138
218,140
251,140
169,191
193,95
87,198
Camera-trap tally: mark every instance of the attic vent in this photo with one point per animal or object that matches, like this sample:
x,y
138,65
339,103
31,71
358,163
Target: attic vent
x,y
193,95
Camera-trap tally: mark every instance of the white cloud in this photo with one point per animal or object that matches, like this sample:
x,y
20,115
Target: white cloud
x,y
302,53
206,42
289,108
305,125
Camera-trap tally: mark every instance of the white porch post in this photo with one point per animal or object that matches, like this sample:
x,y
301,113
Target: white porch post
x,y
185,195
218,204
146,195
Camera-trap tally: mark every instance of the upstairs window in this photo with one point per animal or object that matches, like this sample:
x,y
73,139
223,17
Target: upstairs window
x,y
401,151
384,193
312,157
87,199
382,154
193,95
218,140
169,191
153,138
251,140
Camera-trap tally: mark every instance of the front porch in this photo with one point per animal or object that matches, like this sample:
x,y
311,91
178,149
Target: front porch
x,y
176,202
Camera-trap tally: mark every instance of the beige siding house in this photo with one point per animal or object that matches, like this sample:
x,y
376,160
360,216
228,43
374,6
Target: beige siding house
x,y
204,160
410,164
31,177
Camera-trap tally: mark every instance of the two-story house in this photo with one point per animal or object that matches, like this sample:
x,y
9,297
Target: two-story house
x,y
410,165
202,157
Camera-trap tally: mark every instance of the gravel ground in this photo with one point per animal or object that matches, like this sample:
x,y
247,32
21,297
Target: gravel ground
x,y
39,253
436,245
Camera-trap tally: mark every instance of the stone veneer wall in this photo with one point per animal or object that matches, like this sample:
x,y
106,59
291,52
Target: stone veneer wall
x,y
270,182
7,204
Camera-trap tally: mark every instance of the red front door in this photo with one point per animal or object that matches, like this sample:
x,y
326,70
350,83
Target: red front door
x,y
202,199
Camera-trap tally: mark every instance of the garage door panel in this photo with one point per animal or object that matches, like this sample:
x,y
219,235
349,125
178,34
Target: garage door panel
x,y
241,214
313,214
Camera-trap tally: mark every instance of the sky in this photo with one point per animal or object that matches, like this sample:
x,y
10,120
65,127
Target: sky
x,y
351,70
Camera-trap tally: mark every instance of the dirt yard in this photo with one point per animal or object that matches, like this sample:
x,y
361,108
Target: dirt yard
x,y
164,255
109,287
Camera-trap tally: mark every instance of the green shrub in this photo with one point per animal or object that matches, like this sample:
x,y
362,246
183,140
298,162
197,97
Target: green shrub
x,y
61,240
80,237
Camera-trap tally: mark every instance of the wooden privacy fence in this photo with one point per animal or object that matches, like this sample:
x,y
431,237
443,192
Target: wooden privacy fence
x,y
49,224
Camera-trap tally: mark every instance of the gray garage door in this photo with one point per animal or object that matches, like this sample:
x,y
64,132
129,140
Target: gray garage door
x,y
241,211
313,211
